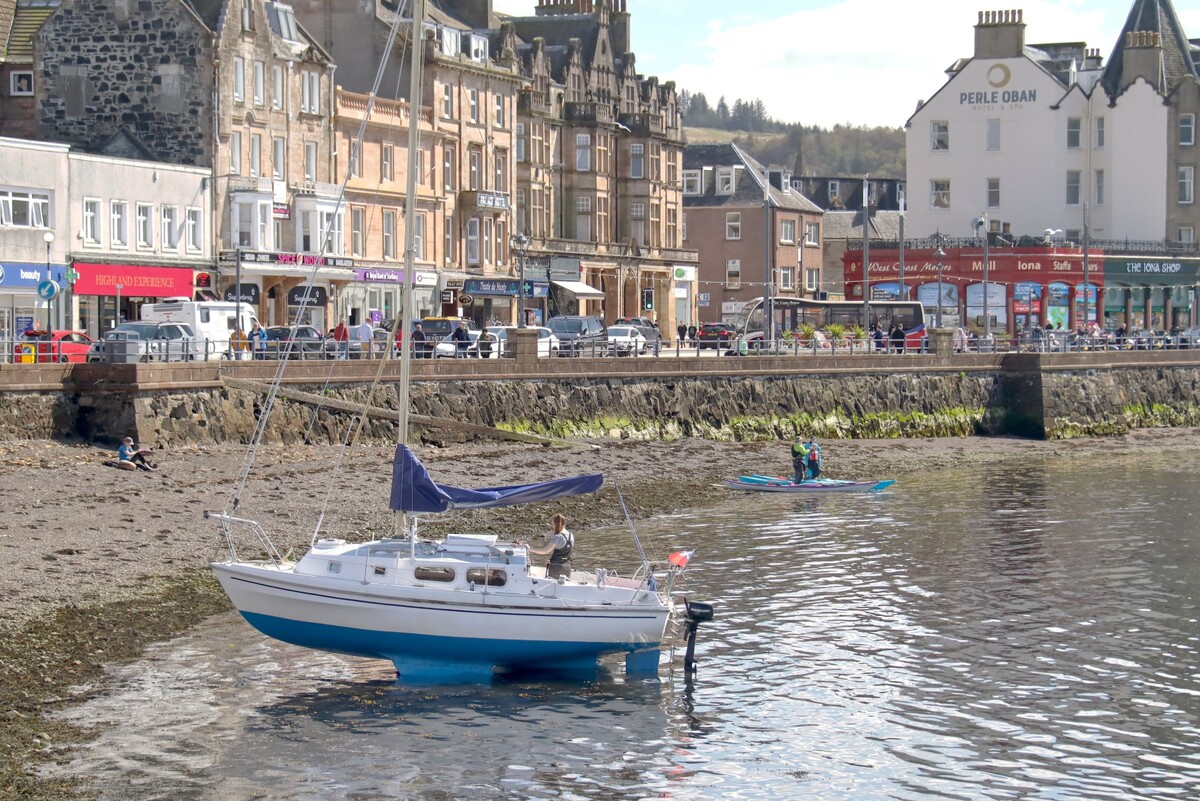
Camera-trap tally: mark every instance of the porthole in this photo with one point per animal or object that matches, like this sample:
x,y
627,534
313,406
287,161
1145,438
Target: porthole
x,y
434,574
494,578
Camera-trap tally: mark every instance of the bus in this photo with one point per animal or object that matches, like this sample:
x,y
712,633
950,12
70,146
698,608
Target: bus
x,y
790,313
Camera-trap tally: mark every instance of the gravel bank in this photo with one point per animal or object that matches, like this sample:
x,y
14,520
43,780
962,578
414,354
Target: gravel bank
x,y
99,562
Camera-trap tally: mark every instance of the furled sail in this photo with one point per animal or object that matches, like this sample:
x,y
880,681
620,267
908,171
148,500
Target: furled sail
x,y
414,491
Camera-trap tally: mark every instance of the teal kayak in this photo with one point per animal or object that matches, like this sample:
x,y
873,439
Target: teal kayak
x,y
760,483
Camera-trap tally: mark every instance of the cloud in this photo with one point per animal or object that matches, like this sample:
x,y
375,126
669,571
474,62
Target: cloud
x,y
825,66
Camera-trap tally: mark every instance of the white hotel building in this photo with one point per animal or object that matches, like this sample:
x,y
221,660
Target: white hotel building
x,y
1037,137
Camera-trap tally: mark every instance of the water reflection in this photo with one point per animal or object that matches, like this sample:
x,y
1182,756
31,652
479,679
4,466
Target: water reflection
x,y
976,634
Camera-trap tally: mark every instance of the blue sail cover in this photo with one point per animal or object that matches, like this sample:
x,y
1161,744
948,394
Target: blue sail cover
x,y
414,491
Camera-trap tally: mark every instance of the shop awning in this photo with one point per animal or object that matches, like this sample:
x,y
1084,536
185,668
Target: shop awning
x,y
579,289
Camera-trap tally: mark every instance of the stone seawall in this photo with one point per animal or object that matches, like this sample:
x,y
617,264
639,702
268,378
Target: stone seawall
x,y
722,398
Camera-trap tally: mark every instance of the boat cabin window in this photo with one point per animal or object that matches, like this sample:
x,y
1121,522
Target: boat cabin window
x,y
335,567
492,578
434,574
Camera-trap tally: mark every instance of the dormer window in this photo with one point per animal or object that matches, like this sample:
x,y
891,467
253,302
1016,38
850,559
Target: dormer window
x,y
725,181
475,47
285,22
451,42
691,182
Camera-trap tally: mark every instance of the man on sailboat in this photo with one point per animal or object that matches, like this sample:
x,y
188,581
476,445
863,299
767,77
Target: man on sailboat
x,y
559,549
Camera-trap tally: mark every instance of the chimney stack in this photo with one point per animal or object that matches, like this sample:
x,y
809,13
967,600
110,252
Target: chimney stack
x,y
1000,34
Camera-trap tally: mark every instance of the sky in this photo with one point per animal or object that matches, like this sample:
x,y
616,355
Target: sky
x,y
829,62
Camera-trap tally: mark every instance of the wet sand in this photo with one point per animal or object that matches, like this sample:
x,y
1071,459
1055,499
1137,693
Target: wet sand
x,y
96,562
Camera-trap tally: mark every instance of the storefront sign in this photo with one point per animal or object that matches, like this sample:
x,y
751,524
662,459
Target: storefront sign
x,y
250,293
203,280
684,273
1176,270
491,286
28,276
286,259
308,296
281,211
135,282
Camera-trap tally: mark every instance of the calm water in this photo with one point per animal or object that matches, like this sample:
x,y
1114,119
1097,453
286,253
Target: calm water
x,y
1029,633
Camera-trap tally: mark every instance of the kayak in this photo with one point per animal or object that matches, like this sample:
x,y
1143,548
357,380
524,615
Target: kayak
x,y
757,483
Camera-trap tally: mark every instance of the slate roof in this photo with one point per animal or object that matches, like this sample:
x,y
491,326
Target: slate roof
x,y
27,19
748,186
1154,16
848,225
7,9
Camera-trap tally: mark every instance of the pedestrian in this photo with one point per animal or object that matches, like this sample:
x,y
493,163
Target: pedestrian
x,y
462,341
681,330
897,335
558,548
418,338
486,338
341,335
366,337
131,457
877,335
691,332
258,341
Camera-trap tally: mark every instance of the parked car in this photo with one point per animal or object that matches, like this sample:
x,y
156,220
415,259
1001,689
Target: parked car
x,y
53,346
716,335
579,335
438,327
447,348
626,340
548,344
147,342
298,342
643,324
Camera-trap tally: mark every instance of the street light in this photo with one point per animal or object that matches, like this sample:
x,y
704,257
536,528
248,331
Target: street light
x,y
521,243
48,238
940,255
981,222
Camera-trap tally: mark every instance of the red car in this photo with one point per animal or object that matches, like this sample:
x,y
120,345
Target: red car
x,y
52,346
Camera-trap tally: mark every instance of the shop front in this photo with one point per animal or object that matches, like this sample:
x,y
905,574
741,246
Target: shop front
x,y
1025,287
497,301
1151,292
106,295
377,292
286,288
20,306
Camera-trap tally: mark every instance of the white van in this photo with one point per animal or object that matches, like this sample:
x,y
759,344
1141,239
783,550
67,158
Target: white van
x,y
215,323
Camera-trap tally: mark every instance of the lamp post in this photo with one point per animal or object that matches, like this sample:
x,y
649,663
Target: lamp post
x,y
117,315
521,243
1087,294
866,250
48,238
981,223
940,255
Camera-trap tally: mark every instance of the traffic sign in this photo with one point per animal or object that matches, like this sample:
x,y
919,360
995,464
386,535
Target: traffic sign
x,y
47,290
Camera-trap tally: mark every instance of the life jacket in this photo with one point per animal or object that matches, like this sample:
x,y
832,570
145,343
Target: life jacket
x,y
562,554
814,454
799,451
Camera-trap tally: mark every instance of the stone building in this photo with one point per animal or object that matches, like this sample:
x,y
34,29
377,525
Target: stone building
x,y
235,86
599,159
464,263
751,228
19,24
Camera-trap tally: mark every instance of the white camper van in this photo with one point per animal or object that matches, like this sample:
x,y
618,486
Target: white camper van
x,y
215,323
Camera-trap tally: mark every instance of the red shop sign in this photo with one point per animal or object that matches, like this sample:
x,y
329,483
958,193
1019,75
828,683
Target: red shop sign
x,y
135,282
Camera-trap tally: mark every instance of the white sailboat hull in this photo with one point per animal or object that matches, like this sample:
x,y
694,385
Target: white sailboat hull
x,y
461,629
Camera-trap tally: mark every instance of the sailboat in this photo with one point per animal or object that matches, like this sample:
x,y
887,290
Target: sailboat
x,y
458,608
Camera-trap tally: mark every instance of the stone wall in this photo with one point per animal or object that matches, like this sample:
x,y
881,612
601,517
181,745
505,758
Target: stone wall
x,y
1026,394
112,64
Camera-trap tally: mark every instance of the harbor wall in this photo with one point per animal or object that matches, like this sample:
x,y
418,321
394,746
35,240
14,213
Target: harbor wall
x,y
1034,395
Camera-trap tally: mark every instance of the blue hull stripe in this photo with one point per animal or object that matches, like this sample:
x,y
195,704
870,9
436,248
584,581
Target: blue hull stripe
x,y
622,612
460,650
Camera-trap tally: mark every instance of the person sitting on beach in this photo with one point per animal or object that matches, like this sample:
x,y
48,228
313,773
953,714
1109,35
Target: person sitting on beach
x,y
130,454
559,549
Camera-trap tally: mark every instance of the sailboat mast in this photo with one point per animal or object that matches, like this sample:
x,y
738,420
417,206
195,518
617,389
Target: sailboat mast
x,y
417,54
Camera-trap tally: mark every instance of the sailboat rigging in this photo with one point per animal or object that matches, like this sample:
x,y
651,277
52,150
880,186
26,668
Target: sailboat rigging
x,y
457,608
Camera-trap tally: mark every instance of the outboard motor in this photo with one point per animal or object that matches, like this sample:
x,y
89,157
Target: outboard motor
x,y
697,613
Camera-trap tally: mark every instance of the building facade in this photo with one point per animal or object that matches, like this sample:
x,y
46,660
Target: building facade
x,y
755,234
1049,146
